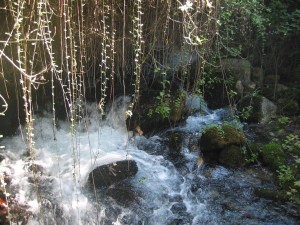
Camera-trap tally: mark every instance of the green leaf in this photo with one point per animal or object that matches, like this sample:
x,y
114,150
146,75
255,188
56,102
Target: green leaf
x,y
297,183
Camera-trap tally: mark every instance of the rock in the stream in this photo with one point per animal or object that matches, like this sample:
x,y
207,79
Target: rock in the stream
x,y
107,175
232,156
271,194
218,137
122,195
175,142
1,158
222,144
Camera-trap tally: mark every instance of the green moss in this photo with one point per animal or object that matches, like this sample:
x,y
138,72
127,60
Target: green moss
x,y
232,156
216,138
226,135
273,155
271,194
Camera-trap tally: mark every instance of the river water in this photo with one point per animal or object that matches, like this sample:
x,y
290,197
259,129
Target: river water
x,y
167,189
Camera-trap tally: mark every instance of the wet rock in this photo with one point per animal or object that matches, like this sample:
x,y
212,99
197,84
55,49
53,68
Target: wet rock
x,y
175,141
179,208
217,138
175,198
1,158
107,175
193,144
271,194
232,156
261,174
36,169
122,195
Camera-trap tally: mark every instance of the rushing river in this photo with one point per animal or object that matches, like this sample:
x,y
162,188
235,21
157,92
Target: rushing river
x,y
166,189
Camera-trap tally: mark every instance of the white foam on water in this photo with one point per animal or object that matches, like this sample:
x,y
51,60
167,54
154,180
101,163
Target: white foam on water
x,y
64,162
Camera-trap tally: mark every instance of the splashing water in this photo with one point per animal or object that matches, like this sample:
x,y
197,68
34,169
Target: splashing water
x,y
160,193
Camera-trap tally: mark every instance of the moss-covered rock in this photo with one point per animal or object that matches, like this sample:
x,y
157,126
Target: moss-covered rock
x,y
273,155
271,194
232,156
216,139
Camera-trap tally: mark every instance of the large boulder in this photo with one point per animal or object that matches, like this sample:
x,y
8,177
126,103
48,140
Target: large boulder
x,y
258,76
232,156
259,109
268,110
217,138
239,68
114,173
220,143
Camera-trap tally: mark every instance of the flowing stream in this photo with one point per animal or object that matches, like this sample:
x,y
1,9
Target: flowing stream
x,y
166,189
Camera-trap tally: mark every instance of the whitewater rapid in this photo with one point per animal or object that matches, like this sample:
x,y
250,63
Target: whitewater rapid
x,y
164,191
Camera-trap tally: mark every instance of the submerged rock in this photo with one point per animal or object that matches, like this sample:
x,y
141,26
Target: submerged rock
x,y
107,175
175,142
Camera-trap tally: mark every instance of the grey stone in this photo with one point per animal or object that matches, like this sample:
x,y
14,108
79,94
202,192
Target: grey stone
x,y
107,175
258,76
268,109
239,68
